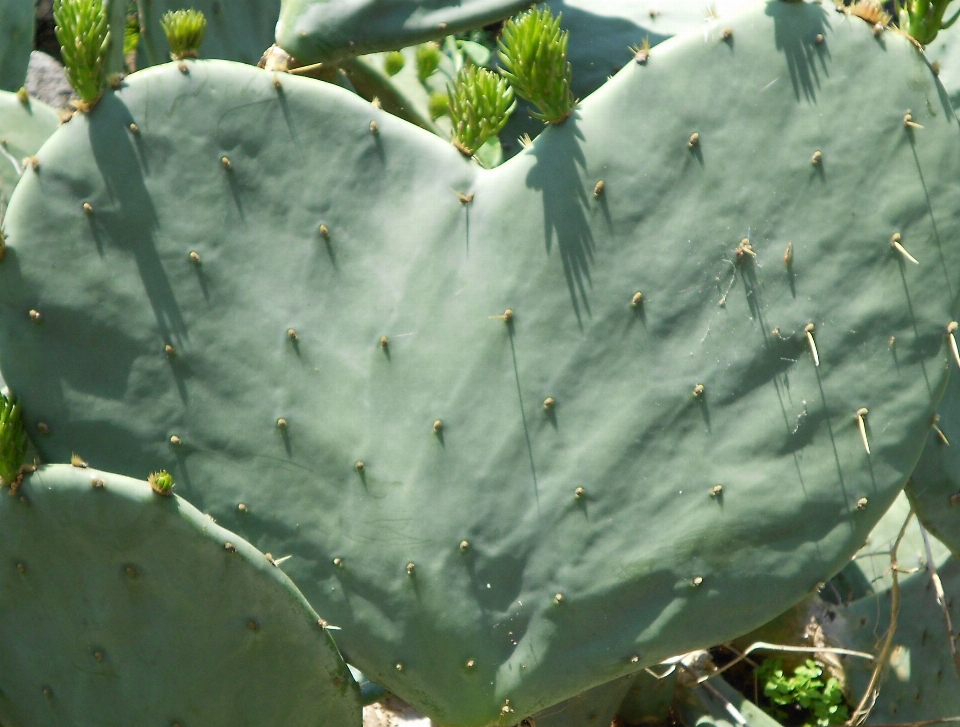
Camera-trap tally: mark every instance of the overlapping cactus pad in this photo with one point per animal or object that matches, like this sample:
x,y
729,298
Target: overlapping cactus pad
x,y
23,129
329,30
920,679
523,430
119,606
16,41
934,487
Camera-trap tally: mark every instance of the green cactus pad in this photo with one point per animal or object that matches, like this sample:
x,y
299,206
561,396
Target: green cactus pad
x,y
17,19
236,31
920,681
23,129
934,487
120,607
336,353
315,31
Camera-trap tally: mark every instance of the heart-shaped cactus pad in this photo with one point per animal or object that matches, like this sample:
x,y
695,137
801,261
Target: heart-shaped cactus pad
x,y
522,430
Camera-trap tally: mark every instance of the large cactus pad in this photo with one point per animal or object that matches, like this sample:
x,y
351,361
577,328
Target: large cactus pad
x,y
275,292
119,606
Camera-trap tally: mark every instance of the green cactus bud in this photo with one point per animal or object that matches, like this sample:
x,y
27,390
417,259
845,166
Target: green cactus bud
x,y
438,105
393,63
428,60
184,30
13,440
533,57
479,105
84,36
161,482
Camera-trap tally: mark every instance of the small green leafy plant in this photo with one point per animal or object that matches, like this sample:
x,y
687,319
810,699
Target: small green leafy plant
x,y
820,701
184,30
84,36
533,57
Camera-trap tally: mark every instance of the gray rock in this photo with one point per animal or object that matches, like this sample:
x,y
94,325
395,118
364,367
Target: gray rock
x,y
47,81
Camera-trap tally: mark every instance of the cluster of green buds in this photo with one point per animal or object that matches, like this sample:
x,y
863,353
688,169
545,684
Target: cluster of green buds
x,y
533,61
533,57
13,441
923,19
480,103
83,32
184,30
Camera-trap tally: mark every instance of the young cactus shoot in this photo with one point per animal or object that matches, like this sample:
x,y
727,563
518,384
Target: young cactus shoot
x,y
184,30
479,105
13,441
923,19
84,36
161,482
533,57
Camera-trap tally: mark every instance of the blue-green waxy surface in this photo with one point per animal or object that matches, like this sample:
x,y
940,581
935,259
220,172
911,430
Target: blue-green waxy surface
x,y
121,607
16,42
306,218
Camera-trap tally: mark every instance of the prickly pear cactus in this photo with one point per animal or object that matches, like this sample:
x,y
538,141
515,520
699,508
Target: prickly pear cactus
x,y
24,126
920,680
236,31
934,487
16,41
315,31
523,430
122,607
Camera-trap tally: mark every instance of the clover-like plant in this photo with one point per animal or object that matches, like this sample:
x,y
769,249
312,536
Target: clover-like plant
x,y
805,691
161,482
83,32
184,30
533,57
923,19
480,102
13,441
